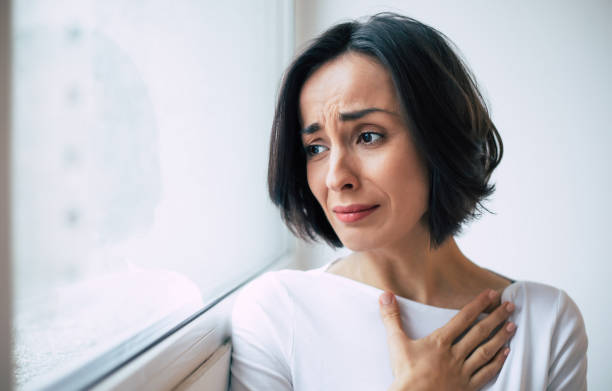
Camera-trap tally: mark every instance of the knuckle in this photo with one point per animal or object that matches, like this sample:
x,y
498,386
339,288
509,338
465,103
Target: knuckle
x,y
440,339
391,316
481,329
485,352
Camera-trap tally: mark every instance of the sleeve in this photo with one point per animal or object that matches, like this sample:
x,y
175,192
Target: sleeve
x,y
262,337
569,343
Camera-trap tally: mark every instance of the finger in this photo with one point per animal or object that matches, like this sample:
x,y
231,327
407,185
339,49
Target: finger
x,y
486,351
390,313
396,339
482,330
489,371
468,314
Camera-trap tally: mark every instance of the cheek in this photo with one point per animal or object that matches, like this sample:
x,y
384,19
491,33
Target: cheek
x,y
405,177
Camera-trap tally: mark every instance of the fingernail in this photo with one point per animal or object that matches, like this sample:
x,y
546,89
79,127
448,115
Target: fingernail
x,y
509,307
386,298
511,327
492,294
506,352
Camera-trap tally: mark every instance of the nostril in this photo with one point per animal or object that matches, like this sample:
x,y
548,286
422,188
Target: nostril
x,y
348,186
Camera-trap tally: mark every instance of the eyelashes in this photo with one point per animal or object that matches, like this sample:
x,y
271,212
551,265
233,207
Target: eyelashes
x,y
368,138
315,149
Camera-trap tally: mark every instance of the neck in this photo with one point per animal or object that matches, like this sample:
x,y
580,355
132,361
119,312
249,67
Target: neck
x,y
414,270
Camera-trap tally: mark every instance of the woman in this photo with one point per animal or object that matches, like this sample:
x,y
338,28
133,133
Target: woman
x,y
382,143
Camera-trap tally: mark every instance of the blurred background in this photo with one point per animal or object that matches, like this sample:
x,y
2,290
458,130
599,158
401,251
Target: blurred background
x,y
138,152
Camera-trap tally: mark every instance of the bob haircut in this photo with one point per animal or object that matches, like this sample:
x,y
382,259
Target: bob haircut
x,y
445,112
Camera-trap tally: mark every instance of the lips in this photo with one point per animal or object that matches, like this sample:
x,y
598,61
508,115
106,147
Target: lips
x,y
352,213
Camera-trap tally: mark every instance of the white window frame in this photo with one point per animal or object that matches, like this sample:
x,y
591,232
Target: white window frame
x,y
163,364
167,363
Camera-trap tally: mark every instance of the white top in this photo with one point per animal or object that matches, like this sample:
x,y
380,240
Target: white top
x,y
314,330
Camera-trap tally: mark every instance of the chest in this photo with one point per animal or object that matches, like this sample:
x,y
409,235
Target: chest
x,y
344,347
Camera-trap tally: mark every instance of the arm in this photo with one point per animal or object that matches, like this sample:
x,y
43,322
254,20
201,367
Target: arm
x,y
569,343
262,332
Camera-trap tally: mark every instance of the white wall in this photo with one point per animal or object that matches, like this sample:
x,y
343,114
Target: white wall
x,y
544,68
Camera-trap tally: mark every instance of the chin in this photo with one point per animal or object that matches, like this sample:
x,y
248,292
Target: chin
x,y
361,242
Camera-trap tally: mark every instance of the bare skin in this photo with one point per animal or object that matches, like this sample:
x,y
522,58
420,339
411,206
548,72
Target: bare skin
x,y
448,280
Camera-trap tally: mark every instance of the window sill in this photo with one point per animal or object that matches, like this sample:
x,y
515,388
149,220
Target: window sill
x,y
166,364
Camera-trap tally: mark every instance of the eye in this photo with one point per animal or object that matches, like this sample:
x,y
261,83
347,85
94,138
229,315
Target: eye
x,y
312,150
370,137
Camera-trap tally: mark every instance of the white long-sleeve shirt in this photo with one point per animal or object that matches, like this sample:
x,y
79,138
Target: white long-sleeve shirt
x,y
314,330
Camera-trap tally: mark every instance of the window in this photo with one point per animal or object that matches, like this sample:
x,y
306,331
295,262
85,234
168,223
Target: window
x,y
139,154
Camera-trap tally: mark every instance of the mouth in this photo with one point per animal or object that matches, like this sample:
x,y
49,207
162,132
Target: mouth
x,y
352,213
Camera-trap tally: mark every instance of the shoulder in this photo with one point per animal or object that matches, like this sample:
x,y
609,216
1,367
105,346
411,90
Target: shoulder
x,y
545,303
271,294
536,296
268,290
264,285
263,323
550,316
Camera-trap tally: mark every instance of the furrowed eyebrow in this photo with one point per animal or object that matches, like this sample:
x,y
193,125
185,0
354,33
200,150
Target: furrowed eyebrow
x,y
350,116
311,128
353,115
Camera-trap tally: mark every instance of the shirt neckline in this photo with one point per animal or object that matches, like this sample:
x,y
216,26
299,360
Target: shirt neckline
x,y
415,304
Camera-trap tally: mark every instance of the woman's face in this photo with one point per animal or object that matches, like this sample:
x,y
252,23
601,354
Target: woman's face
x,y
362,166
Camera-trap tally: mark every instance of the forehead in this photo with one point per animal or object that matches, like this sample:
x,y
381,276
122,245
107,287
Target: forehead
x,y
350,82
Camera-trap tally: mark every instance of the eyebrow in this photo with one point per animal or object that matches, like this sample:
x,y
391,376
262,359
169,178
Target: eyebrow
x,y
350,116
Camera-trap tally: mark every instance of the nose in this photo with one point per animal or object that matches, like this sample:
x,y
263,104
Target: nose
x,y
341,174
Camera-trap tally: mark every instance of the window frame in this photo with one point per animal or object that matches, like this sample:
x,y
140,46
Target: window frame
x,y
6,318
168,359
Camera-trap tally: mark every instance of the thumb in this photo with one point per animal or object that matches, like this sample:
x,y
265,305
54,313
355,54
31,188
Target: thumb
x,y
390,313
396,338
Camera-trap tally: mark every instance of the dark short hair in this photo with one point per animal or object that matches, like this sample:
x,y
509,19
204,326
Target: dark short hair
x,y
446,113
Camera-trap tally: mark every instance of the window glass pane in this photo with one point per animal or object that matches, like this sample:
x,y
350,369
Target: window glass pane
x,y
139,166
